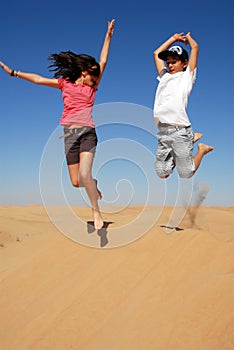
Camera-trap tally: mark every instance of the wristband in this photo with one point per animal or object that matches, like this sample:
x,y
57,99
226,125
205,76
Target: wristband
x,y
12,73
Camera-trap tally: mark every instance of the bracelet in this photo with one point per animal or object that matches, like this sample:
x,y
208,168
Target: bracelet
x,y
12,73
17,74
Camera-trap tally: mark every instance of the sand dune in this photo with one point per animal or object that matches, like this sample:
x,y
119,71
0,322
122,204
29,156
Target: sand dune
x,y
160,290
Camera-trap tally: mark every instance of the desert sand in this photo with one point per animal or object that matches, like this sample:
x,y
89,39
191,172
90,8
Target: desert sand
x,y
164,290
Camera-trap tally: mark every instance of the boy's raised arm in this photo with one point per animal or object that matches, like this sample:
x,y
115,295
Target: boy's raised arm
x,y
193,51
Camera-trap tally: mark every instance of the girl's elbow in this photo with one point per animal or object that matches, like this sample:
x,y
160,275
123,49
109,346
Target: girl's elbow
x,y
38,80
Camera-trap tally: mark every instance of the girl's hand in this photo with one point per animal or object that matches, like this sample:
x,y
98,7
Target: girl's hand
x,y
6,68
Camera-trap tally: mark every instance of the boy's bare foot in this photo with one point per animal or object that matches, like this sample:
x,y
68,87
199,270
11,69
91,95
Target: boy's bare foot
x,y
97,218
197,136
204,149
99,193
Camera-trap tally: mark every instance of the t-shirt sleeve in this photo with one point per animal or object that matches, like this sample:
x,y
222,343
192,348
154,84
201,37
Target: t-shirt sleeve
x,y
191,74
61,83
189,78
163,71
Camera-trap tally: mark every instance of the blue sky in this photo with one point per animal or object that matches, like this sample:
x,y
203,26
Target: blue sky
x,y
30,114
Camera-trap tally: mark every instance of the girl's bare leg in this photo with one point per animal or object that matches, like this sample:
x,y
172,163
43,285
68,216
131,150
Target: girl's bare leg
x,y
80,175
73,172
90,184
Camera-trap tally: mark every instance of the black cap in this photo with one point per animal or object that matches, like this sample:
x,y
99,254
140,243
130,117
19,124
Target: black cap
x,y
175,51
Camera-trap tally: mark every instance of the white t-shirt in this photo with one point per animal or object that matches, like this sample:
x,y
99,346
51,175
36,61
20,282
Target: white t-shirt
x,y
171,97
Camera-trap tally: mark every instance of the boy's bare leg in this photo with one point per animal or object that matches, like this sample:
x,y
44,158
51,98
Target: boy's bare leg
x,y
202,150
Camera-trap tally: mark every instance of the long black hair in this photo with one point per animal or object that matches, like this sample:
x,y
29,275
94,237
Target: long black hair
x,y
70,65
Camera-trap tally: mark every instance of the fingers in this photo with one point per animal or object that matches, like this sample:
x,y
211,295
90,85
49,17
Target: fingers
x,y
184,39
181,37
5,67
111,26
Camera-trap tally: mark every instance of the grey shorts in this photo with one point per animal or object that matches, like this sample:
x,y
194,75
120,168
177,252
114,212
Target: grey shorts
x,y
77,141
175,149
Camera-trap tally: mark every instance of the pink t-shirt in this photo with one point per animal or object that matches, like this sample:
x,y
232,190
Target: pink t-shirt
x,y
78,102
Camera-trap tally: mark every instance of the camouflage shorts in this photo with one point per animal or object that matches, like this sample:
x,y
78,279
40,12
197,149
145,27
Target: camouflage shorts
x,y
175,149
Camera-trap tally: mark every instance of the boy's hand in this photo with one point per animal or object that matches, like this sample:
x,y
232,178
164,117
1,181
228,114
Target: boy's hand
x,y
178,37
181,38
186,38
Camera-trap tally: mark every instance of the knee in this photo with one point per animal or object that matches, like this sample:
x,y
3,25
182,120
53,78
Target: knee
x,y
84,178
163,169
164,177
185,173
75,183
161,173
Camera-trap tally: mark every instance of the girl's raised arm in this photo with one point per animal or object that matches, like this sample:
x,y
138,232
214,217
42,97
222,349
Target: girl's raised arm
x,y
106,47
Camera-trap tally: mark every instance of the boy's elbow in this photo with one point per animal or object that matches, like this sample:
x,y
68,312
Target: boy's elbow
x,y
156,52
195,46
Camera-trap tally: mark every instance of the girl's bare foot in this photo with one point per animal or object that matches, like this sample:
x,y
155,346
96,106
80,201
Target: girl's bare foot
x,y
204,149
97,218
197,136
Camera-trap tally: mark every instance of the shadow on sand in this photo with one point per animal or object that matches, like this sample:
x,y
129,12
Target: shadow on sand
x,y
102,233
172,228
